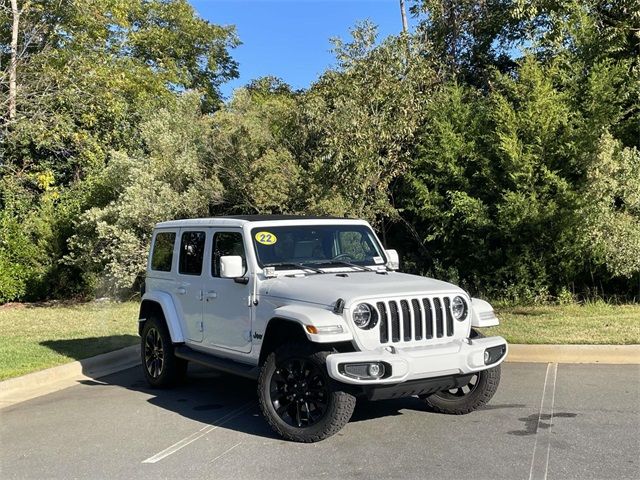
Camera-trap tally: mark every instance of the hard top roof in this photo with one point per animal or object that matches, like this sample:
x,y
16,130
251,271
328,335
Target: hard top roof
x,y
239,220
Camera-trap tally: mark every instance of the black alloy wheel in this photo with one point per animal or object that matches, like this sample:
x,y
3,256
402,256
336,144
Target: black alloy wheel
x,y
160,366
298,398
299,392
468,398
462,391
153,353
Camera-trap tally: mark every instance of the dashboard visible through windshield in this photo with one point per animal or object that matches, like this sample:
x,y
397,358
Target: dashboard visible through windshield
x,y
318,246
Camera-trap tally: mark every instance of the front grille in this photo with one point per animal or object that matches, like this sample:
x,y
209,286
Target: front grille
x,y
414,319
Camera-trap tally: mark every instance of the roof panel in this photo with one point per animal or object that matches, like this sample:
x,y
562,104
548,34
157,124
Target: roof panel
x,y
239,220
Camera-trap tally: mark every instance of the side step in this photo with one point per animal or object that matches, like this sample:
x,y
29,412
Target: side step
x,y
217,363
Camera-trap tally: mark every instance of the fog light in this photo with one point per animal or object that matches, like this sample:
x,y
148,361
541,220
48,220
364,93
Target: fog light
x,y
493,354
363,371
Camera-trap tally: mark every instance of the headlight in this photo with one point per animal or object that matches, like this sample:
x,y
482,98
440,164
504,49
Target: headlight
x,y
364,316
459,308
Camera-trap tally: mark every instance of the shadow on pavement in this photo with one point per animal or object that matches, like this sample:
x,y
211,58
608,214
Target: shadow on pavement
x,y
209,397
205,396
82,348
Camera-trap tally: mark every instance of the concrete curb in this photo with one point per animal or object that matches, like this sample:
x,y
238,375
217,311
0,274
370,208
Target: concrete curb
x,y
610,354
51,380
32,385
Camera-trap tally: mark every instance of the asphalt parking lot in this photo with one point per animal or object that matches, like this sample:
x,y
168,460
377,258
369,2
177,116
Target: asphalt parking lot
x,y
546,421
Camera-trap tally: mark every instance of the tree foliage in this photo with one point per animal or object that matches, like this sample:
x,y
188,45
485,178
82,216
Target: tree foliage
x,y
497,146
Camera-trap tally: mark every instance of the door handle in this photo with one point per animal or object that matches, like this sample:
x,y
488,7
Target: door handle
x,y
211,294
181,290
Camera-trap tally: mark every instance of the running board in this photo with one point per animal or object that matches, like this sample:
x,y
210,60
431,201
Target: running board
x,y
217,363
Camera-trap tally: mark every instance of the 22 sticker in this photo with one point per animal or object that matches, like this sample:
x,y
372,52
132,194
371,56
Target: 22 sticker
x,y
266,238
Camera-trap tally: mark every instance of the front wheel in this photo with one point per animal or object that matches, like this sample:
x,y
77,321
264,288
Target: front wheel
x,y
298,398
458,401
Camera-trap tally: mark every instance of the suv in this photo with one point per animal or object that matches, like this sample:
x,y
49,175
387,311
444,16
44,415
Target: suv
x,y
315,311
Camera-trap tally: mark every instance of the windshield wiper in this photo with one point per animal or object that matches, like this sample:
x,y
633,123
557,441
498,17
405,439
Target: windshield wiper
x,y
301,266
348,264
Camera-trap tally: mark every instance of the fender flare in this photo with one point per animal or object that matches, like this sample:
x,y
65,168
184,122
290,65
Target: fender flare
x,y
316,317
165,301
482,314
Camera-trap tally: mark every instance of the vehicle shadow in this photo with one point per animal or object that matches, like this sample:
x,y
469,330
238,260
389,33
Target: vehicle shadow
x,y
219,399
83,348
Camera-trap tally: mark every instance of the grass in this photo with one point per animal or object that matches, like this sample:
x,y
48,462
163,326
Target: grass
x,y
595,324
37,337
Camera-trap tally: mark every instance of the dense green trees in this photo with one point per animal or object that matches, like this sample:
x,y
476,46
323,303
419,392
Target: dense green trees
x,y
497,147
89,75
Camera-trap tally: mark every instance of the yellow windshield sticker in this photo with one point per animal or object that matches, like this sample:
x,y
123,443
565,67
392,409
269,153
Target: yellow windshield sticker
x,y
266,238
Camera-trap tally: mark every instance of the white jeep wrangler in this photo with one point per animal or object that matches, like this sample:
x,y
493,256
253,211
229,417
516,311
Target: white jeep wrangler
x,y
314,309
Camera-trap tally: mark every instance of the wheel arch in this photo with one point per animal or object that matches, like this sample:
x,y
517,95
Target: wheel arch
x,y
278,332
161,304
281,330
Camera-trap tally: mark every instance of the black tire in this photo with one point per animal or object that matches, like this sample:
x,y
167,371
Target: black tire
x,y
160,366
476,394
293,384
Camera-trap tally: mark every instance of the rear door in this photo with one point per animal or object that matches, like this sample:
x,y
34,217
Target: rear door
x,y
189,280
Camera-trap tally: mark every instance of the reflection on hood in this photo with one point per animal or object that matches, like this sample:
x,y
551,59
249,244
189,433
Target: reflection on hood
x,y
326,288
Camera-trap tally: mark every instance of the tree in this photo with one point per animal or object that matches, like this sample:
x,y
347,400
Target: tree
x,y
363,117
468,37
175,179
612,208
258,139
90,75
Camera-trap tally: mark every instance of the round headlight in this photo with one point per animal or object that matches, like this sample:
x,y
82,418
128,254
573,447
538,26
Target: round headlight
x,y
362,315
459,308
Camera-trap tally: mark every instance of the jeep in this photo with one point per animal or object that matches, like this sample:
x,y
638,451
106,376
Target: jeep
x,y
317,312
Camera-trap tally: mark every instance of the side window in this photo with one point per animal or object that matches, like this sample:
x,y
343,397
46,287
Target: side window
x,y
162,256
191,253
226,243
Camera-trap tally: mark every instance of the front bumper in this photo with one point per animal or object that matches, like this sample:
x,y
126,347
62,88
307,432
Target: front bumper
x,y
458,357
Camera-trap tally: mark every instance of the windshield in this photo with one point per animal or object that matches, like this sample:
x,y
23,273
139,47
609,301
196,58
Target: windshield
x,y
296,246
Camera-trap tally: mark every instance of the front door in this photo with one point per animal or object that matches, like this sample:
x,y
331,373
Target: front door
x,y
227,311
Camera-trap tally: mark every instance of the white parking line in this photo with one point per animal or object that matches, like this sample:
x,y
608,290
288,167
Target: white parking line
x,y
542,446
225,452
199,434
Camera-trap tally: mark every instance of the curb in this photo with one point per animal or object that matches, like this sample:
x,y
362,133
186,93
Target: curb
x,y
609,354
32,385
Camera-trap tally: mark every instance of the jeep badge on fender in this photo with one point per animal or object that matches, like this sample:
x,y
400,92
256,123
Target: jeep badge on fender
x,y
332,320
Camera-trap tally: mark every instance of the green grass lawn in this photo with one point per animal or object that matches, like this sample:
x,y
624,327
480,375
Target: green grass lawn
x,y
38,337
596,323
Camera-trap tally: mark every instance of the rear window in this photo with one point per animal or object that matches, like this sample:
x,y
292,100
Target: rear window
x,y
191,253
162,256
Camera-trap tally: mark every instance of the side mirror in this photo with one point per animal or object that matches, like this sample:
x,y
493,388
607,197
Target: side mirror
x,y
231,266
393,259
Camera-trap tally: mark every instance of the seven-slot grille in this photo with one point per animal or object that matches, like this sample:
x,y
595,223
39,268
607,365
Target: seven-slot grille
x,y
414,319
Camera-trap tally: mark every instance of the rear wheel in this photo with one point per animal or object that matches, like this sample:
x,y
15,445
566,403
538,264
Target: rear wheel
x,y
160,366
298,398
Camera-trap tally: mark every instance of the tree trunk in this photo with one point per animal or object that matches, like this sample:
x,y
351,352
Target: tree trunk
x,y
14,59
405,27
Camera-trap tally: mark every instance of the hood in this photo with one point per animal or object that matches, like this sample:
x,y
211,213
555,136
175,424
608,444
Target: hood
x,y
326,288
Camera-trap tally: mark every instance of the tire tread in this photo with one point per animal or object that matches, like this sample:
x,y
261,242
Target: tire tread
x,y
342,405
